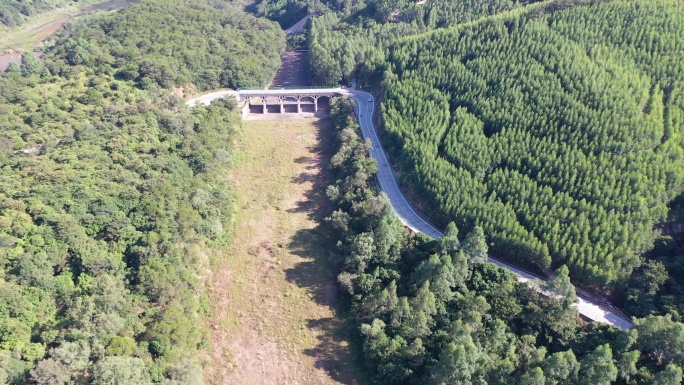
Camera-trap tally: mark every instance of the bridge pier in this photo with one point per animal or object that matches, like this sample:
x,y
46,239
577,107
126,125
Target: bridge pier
x,y
283,96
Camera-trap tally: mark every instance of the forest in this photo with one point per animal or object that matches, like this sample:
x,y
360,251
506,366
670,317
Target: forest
x,y
348,39
548,134
433,312
351,43
113,193
203,46
558,131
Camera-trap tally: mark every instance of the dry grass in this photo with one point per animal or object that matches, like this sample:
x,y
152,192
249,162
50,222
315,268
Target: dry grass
x,y
29,36
273,292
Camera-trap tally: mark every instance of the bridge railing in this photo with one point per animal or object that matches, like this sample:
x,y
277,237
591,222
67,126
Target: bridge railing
x,y
289,88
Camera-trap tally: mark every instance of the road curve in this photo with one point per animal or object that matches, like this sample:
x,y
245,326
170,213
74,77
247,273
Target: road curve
x,y
298,27
597,311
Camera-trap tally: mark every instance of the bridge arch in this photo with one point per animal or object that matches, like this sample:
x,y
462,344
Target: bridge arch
x,y
285,98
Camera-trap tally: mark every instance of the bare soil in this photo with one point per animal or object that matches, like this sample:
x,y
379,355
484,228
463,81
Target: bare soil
x,y
273,292
294,70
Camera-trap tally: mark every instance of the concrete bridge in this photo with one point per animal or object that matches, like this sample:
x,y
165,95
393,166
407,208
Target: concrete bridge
x,y
280,97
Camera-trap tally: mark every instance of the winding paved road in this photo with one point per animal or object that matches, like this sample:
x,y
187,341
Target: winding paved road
x,y
298,27
594,310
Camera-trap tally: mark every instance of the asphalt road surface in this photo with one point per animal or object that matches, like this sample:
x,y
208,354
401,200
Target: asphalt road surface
x,y
298,27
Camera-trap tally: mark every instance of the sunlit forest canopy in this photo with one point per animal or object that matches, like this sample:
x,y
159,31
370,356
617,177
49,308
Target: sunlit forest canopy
x,y
432,312
180,44
557,130
113,193
351,41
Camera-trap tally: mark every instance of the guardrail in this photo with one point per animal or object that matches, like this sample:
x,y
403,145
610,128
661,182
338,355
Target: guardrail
x,y
287,88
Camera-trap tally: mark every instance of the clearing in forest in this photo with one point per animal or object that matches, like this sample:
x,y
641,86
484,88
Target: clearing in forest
x,y
30,35
273,292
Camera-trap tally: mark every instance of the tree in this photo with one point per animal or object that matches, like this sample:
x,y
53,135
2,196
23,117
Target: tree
x,y
627,364
362,247
440,273
671,375
31,65
50,372
650,277
117,370
560,286
660,338
13,68
533,377
184,373
561,368
456,365
449,243
73,355
597,367
121,346
475,246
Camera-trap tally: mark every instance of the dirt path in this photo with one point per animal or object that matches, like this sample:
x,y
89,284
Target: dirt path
x,y
273,293
294,70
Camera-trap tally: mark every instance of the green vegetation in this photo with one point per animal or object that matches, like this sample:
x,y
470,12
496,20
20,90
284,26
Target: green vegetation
x,y
285,12
348,39
208,47
557,131
431,312
657,287
113,193
353,42
13,13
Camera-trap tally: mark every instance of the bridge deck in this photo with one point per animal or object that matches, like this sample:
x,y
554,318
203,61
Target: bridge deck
x,y
289,92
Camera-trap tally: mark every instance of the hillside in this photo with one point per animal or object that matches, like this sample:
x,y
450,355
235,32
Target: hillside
x,y
432,312
351,41
558,131
113,195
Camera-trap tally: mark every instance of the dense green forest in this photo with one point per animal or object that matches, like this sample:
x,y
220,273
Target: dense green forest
x,y
16,12
657,286
559,131
210,49
352,43
547,136
432,312
348,38
113,194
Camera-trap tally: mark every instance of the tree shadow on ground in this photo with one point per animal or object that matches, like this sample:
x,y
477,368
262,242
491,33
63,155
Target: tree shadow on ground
x,y
317,172
334,353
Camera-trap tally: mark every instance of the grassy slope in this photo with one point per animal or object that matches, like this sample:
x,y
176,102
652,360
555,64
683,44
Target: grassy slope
x,y
273,292
30,35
